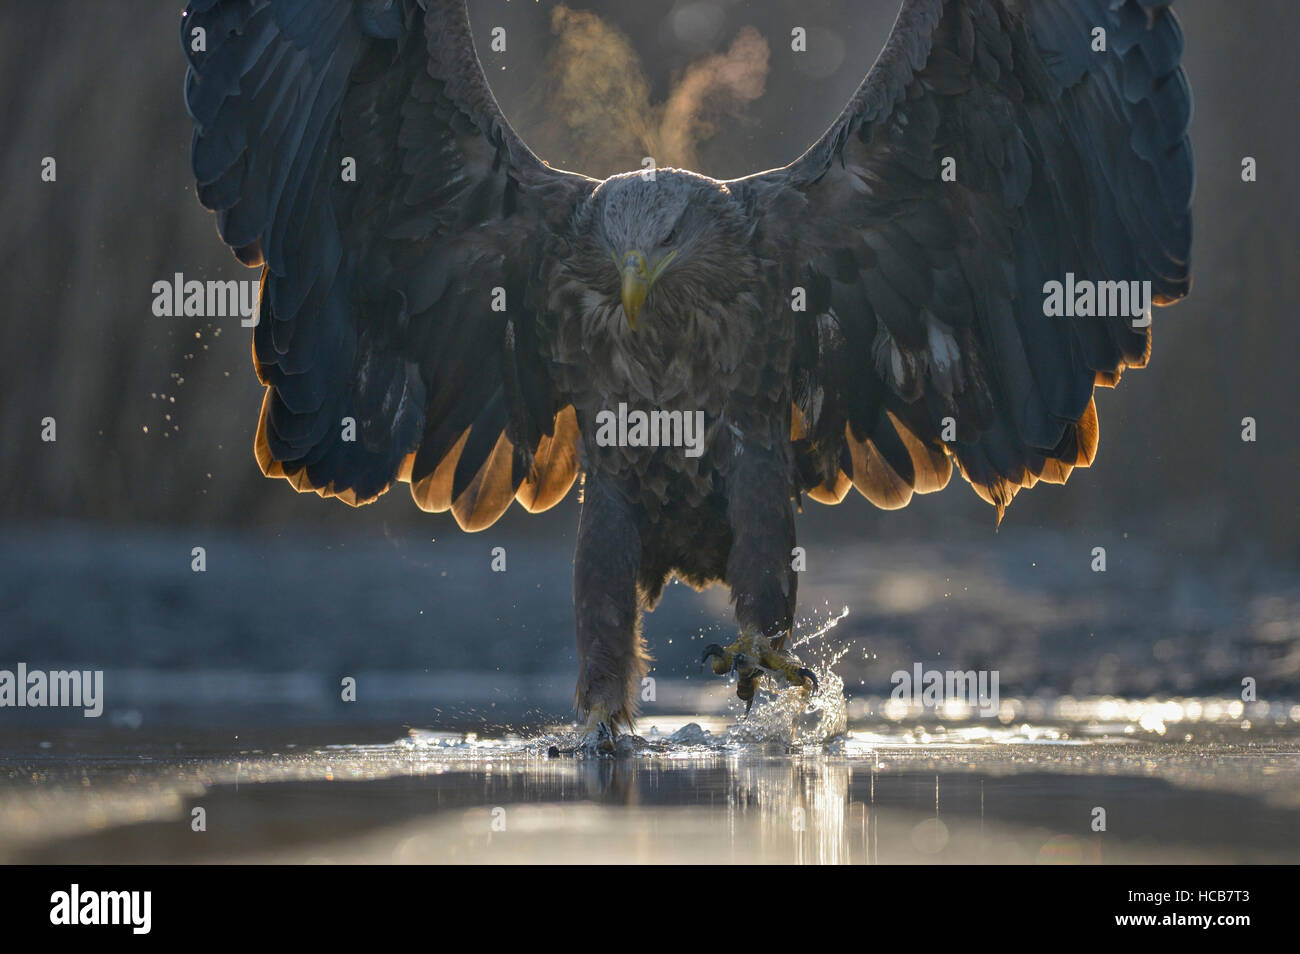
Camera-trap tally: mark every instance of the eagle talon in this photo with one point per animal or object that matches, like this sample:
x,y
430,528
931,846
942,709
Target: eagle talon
x,y
746,686
598,738
713,649
753,656
807,674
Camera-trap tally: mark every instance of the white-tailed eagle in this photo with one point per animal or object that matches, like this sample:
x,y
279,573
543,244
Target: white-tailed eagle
x,y
869,316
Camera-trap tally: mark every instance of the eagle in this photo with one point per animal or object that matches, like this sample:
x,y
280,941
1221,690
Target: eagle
x,y
440,307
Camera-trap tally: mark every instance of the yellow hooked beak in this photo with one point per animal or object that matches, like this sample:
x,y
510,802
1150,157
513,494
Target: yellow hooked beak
x,y
638,280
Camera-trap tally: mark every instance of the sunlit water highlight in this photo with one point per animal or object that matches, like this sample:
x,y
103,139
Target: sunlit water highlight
x,y
686,788
802,778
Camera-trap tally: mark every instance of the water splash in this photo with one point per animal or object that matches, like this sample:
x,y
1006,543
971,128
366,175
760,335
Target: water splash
x,y
791,716
813,638
787,716
783,716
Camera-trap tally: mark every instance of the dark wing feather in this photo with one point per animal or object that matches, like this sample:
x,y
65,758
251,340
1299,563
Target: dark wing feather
x,y
926,296
377,293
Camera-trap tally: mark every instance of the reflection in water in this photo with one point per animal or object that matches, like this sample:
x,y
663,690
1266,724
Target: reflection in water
x,y
802,808
685,791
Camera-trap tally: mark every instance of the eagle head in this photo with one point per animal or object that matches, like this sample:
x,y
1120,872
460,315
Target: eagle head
x,y
666,231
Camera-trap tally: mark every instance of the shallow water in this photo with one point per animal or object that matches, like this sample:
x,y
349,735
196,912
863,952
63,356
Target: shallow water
x,y
1119,698
688,789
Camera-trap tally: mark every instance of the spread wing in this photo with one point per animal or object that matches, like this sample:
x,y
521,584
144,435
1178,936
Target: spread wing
x,y
925,338
353,149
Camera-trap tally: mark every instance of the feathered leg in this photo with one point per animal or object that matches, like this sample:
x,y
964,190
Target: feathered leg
x,y
612,656
760,570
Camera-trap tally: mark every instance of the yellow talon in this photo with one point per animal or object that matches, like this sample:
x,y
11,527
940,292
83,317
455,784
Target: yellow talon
x,y
752,656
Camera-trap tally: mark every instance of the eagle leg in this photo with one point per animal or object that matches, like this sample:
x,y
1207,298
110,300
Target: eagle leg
x,y
759,486
612,656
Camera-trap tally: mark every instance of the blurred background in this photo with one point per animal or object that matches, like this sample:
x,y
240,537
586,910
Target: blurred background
x,y
155,416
